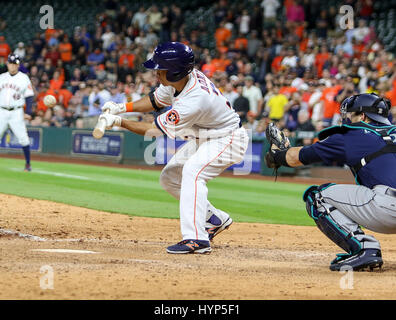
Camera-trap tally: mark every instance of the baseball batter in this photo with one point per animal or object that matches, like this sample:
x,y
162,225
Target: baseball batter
x,y
366,142
16,90
200,114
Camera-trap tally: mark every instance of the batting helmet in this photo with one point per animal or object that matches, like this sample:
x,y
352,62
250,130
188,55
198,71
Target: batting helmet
x,y
373,106
175,57
14,58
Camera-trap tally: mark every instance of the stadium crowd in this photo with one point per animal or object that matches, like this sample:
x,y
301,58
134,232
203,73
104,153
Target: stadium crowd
x,y
285,61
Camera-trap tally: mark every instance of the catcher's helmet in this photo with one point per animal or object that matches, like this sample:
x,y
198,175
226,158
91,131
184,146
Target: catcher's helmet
x,y
14,58
175,57
373,106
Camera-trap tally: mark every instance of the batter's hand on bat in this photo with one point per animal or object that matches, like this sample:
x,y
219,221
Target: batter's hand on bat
x,y
111,120
114,108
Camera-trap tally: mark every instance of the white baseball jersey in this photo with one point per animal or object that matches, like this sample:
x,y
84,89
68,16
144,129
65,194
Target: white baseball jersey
x,y
199,109
14,89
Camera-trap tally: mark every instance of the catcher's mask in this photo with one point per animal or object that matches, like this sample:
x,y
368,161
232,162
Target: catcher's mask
x,y
373,106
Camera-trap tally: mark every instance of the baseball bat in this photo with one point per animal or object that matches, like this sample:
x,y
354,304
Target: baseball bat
x,y
100,128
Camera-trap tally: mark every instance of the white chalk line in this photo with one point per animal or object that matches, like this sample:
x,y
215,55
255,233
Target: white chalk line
x,y
56,174
21,235
64,251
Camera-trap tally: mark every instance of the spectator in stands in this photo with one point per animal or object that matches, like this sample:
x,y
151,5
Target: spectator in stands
x,y
290,60
66,50
154,18
140,18
292,109
244,23
230,93
295,13
276,105
254,95
177,19
20,50
305,131
95,58
241,103
269,10
3,24
4,48
166,23
107,38
58,119
222,34
220,11
123,71
56,82
362,31
253,44
252,122
322,25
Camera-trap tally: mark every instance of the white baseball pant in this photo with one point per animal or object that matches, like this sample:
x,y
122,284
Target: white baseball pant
x,y
187,173
15,120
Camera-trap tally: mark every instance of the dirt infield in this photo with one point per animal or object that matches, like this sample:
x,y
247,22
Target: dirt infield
x,y
248,261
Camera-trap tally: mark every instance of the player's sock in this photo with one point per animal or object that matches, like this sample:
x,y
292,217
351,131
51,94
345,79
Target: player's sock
x,y
26,152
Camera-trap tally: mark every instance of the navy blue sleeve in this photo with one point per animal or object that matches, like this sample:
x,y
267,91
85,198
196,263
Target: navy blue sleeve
x,y
29,103
307,155
329,150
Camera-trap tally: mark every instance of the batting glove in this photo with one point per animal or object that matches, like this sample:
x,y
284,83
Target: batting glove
x,y
111,120
114,108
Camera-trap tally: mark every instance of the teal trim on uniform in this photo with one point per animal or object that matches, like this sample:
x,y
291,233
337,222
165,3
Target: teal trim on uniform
x,y
389,131
356,180
309,197
381,127
314,185
345,234
323,134
327,129
364,128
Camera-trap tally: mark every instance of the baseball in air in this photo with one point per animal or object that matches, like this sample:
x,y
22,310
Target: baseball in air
x,y
50,101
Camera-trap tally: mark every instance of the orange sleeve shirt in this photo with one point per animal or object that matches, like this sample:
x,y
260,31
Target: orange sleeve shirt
x,y
329,105
65,50
4,50
221,35
56,84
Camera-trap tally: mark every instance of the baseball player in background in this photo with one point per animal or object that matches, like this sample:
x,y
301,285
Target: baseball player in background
x,y
200,114
366,142
15,91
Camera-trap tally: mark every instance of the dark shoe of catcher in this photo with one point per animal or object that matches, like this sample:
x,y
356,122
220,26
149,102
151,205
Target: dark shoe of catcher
x,y
364,259
28,168
217,229
190,246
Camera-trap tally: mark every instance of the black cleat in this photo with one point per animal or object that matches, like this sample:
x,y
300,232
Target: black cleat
x,y
364,259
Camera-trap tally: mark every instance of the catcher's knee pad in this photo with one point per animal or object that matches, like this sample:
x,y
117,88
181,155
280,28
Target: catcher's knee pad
x,y
312,198
320,211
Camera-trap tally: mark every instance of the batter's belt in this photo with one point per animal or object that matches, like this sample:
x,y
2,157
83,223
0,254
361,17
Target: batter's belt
x,y
10,108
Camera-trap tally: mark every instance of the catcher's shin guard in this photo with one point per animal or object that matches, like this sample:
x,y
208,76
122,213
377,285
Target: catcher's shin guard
x,y
321,213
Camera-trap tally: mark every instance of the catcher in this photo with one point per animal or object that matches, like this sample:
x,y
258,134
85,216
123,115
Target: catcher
x,y
366,143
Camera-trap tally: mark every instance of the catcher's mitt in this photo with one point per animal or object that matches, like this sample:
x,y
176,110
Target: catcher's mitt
x,y
275,137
